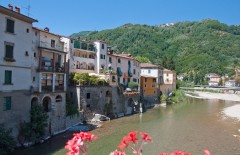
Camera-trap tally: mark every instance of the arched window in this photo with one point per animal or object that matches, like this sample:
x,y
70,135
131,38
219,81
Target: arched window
x,y
108,94
59,98
34,101
47,104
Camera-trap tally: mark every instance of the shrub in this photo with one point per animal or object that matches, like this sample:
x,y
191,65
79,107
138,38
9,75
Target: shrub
x,y
7,142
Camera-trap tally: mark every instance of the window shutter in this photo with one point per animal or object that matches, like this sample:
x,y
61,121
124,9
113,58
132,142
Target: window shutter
x,y
9,51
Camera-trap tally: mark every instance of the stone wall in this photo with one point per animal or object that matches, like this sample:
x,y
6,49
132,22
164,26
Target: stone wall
x,y
19,112
105,100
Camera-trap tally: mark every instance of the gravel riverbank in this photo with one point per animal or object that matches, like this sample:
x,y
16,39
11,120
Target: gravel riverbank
x,y
232,111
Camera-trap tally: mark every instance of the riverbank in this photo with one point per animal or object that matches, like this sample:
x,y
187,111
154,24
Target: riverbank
x,y
210,95
232,111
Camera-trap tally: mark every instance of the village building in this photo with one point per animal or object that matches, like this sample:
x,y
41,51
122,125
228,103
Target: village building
x,y
15,67
169,81
151,79
49,77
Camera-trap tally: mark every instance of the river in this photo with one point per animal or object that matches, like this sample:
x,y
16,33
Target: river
x,y
192,126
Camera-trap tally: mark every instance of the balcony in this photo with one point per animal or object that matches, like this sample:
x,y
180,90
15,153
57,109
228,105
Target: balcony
x,y
47,65
84,46
52,46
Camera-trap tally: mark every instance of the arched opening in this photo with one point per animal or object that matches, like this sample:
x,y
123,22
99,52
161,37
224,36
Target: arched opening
x,y
59,98
130,106
108,94
46,104
78,65
91,66
83,65
34,101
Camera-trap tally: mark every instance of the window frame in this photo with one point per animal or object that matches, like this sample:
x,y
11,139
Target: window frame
x,y
7,103
7,56
8,81
7,26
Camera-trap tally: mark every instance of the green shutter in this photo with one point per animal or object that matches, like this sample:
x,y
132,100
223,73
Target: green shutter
x,y
7,105
9,51
8,77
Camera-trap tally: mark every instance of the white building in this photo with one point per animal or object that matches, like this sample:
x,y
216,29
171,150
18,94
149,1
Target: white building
x,y
101,56
127,68
15,67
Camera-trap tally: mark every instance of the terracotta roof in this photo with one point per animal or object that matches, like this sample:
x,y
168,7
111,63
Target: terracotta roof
x,y
148,76
127,56
148,65
39,29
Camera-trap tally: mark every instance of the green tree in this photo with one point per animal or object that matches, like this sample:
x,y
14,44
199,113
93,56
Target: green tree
x,y
142,59
133,85
38,119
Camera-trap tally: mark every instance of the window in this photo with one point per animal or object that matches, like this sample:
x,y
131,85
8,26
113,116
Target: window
x,y
119,80
145,79
145,85
7,103
34,79
154,80
167,74
27,30
9,51
103,56
110,59
153,85
102,46
88,95
134,71
10,26
129,79
119,60
149,71
36,33
35,55
58,98
138,80
113,79
53,43
8,77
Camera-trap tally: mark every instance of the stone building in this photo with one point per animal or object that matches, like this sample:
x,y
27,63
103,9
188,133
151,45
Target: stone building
x,y
169,81
15,67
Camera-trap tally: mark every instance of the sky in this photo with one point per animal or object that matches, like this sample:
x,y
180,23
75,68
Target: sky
x,y
65,17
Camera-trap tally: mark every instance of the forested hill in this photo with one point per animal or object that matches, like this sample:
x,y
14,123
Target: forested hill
x,y
197,47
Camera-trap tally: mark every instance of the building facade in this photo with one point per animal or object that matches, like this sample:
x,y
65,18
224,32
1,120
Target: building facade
x,y
151,79
15,67
169,81
49,77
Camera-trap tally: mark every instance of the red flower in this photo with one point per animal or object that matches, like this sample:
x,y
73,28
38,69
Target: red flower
x,y
116,152
132,137
76,144
145,137
162,153
124,143
206,152
180,153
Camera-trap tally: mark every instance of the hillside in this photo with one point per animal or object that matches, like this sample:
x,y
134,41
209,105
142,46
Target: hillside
x,y
188,47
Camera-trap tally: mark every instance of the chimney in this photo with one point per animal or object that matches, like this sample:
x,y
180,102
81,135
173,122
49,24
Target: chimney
x,y
17,9
46,29
10,6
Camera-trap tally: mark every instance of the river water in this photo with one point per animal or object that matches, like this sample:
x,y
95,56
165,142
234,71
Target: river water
x,y
192,126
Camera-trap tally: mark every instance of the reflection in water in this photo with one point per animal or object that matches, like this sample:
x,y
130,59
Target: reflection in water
x,y
191,126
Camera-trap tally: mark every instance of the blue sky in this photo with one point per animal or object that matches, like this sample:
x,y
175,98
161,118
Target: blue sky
x,y
68,16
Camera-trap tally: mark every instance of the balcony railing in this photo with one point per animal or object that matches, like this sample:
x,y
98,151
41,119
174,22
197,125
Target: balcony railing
x,y
55,46
84,46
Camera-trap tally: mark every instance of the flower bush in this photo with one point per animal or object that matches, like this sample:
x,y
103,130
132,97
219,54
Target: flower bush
x,y
77,145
